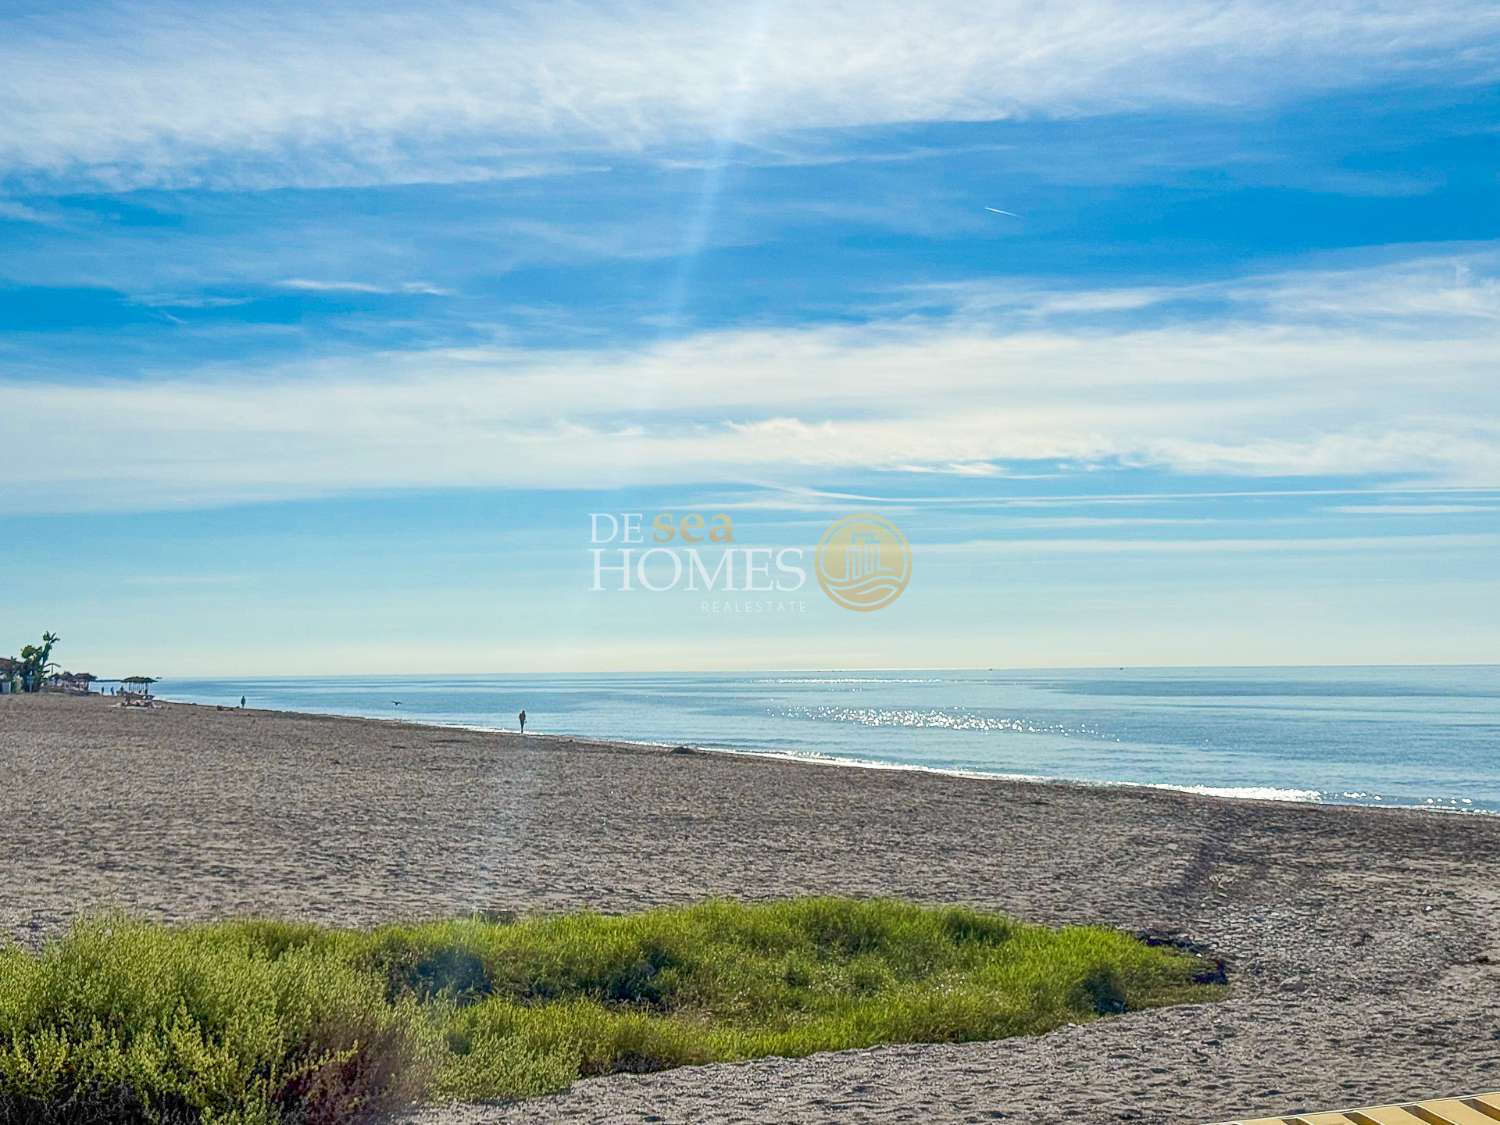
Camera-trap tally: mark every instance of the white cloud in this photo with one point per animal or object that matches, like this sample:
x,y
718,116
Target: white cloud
x,y
1244,545
130,94
406,288
15,212
186,301
957,469
796,498
1374,397
1412,509
1414,286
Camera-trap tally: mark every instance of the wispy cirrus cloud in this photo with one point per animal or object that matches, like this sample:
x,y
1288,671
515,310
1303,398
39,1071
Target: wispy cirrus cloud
x,y
1263,397
407,288
15,212
1411,509
129,95
1394,285
1338,544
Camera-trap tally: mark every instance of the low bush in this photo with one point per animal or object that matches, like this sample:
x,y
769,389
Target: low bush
x,y
260,1022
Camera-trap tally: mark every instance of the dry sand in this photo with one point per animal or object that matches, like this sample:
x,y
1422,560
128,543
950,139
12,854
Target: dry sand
x,y
1361,944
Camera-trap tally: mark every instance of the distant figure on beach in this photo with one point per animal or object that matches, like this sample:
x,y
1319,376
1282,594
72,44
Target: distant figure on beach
x,y
242,703
522,717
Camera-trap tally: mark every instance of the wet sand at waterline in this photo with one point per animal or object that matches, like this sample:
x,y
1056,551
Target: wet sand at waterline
x,y
1361,945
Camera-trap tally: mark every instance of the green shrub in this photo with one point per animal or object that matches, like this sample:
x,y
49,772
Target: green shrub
x,y
262,1022
123,1021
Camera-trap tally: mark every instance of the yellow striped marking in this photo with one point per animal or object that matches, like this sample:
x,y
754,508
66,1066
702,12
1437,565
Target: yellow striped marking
x,y
1476,1109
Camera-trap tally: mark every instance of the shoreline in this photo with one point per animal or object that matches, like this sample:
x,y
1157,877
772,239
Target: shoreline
x,y
1271,794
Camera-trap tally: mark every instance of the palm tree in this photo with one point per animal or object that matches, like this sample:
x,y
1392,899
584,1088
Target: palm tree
x,y
35,662
48,640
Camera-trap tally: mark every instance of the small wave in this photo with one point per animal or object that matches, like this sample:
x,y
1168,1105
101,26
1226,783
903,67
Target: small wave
x,y
1227,792
1460,804
1247,792
818,758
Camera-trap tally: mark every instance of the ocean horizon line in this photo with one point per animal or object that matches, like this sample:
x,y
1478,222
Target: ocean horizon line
x,y
217,677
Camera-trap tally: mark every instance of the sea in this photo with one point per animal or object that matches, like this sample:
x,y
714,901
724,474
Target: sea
x,y
1387,736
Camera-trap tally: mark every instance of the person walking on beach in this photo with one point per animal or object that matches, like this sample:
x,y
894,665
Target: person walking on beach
x,y
522,717
242,703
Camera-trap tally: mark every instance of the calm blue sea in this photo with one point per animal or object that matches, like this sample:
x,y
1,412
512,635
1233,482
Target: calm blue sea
x,y
1376,736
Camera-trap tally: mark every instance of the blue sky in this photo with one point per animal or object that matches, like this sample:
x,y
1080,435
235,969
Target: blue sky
x,y
1167,332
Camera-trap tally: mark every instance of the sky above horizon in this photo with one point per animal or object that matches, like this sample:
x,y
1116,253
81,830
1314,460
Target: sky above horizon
x,y
1166,332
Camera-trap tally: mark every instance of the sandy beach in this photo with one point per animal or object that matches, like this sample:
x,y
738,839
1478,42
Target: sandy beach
x,y
1360,944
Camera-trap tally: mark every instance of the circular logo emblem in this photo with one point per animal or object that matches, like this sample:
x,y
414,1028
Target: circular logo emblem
x,y
863,562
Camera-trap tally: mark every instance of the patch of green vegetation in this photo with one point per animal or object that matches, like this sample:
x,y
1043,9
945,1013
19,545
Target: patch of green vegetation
x,y
259,1022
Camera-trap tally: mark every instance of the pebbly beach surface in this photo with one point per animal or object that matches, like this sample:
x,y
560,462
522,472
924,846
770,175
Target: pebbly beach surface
x,y
1361,944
